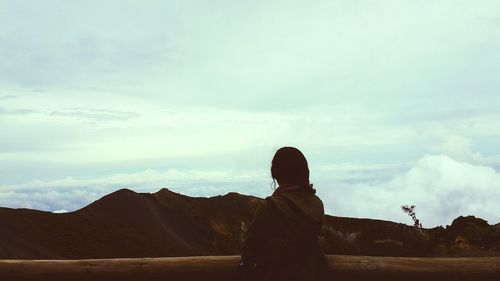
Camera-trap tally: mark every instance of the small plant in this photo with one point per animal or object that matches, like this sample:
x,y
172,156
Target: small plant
x,y
410,211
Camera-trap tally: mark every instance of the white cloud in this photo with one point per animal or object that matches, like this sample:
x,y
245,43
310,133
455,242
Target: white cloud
x,y
351,172
440,187
71,193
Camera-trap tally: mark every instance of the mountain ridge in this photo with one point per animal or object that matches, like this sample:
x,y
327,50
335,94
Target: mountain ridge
x,y
125,223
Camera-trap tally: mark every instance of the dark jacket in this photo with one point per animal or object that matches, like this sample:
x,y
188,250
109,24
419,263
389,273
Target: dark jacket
x,y
282,241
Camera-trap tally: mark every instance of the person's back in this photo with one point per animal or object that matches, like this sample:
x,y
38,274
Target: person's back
x,y
282,241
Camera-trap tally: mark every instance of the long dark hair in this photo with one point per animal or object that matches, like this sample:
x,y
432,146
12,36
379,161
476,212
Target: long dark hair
x,y
289,165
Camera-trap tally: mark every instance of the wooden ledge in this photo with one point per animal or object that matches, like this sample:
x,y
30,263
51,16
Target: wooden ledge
x,y
226,268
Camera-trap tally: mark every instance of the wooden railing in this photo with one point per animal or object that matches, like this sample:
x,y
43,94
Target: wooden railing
x,y
222,268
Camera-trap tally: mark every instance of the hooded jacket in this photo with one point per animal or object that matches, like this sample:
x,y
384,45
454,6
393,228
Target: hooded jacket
x,y
282,240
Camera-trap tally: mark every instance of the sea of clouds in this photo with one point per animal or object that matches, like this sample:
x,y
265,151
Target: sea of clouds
x,y
441,188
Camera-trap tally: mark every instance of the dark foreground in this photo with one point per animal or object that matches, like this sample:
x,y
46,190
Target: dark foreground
x,y
226,268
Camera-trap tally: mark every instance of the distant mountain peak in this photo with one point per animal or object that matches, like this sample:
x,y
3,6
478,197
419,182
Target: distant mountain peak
x,y
165,190
123,191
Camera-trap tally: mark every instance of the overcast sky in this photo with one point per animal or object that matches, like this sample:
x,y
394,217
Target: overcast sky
x,y
392,102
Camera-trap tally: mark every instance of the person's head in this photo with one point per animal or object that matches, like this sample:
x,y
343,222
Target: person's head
x,y
289,166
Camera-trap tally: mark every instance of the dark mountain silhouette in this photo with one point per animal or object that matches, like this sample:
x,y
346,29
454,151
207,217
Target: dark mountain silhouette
x,y
165,223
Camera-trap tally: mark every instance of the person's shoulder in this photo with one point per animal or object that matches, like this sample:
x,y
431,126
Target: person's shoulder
x,y
304,200
298,195
264,204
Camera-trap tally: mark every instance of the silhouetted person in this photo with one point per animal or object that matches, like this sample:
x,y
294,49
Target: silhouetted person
x,y
282,240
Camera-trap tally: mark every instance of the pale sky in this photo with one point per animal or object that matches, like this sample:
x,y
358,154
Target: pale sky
x,y
392,102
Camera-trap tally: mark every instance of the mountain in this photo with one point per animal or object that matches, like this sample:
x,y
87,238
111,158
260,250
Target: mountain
x,y
129,224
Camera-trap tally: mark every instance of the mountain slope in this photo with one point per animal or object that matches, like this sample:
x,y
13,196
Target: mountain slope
x,y
129,224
